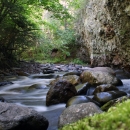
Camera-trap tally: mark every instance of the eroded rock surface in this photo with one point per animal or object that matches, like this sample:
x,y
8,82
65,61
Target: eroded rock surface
x,y
104,27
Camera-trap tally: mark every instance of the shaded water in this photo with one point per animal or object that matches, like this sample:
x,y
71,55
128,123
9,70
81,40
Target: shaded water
x,y
31,92
126,86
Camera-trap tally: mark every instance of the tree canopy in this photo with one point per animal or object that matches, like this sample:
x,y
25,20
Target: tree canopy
x,y
20,22
23,27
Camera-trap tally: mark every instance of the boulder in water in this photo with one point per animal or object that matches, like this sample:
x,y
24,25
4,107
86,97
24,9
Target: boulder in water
x,y
14,117
105,69
76,112
73,79
98,77
104,88
111,103
61,92
104,97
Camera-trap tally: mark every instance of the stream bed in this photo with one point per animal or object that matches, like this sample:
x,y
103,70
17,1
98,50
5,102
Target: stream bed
x,y
31,92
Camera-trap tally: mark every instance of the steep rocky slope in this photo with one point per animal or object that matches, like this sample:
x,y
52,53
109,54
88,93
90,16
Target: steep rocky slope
x,y
104,30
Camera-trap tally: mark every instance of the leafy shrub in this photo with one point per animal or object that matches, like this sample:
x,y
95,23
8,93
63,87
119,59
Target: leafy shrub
x,y
77,61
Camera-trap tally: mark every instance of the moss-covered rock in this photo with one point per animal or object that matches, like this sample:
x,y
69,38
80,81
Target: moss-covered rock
x,y
117,118
73,79
75,112
112,103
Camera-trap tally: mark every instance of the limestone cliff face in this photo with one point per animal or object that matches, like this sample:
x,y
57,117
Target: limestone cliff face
x,y
104,29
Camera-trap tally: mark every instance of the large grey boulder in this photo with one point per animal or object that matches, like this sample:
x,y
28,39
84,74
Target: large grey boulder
x,y
99,77
76,112
104,69
14,117
61,92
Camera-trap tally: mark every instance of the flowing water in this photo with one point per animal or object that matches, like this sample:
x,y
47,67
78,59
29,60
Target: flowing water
x,y
31,92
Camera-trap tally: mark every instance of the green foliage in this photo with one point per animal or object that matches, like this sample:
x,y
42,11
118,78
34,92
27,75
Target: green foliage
x,y
21,26
54,36
78,61
26,34
58,9
117,118
16,29
58,32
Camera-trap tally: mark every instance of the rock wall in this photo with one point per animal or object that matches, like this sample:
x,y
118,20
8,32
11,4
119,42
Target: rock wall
x,y
104,30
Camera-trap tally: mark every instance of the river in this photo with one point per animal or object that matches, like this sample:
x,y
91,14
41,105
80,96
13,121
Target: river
x,y
31,92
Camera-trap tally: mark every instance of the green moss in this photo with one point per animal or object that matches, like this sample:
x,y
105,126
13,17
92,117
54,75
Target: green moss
x,y
122,32
117,118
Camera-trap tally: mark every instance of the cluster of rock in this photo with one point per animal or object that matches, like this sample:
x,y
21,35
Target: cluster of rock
x,y
27,68
85,91
84,94
14,117
51,68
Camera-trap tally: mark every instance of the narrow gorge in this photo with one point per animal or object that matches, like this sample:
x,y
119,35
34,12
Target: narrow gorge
x,y
65,65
